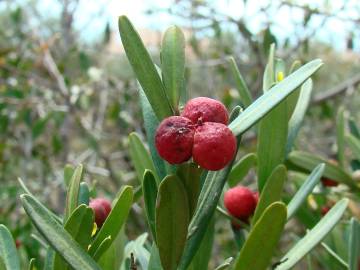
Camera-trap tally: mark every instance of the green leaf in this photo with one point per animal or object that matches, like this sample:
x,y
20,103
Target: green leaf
x,y
49,259
305,190
32,264
173,64
269,74
354,145
149,187
241,169
260,107
189,174
340,137
84,194
354,244
144,69
333,254
56,236
241,85
79,226
115,219
272,138
113,256
354,130
103,247
304,161
72,197
68,173
140,156
203,254
154,261
8,252
271,192
263,237
172,218
151,123
226,264
298,114
315,236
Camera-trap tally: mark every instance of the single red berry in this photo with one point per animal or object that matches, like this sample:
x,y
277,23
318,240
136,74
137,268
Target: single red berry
x,y
174,139
214,146
256,196
203,109
327,182
101,208
324,210
240,202
18,243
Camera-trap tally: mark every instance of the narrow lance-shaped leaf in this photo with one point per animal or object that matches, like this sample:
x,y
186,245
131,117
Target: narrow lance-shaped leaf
x,y
56,236
298,115
84,194
354,144
8,253
172,218
305,190
271,192
149,187
241,85
314,237
144,68
79,226
72,197
115,219
140,156
173,64
354,245
226,264
260,107
263,237
241,169
269,74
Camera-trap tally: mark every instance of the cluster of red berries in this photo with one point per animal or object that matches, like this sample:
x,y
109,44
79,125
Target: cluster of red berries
x,y
241,202
200,132
101,208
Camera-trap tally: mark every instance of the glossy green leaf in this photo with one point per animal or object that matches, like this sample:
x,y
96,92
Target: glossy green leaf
x,y
8,251
140,156
271,192
315,236
68,173
173,64
354,130
304,161
260,107
150,190
241,85
309,184
203,254
269,73
263,238
84,194
154,261
298,114
340,137
172,218
144,69
241,168
354,145
49,259
103,247
2,264
32,264
72,197
189,174
208,199
113,256
115,219
56,236
354,245
79,226
151,123
226,264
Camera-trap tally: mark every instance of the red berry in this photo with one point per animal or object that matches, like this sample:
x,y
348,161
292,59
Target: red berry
x,y
101,208
240,202
324,210
327,182
203,109
174,139
256,196
214,146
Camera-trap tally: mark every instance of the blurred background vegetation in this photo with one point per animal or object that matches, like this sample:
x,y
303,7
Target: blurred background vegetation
x,y
68,95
